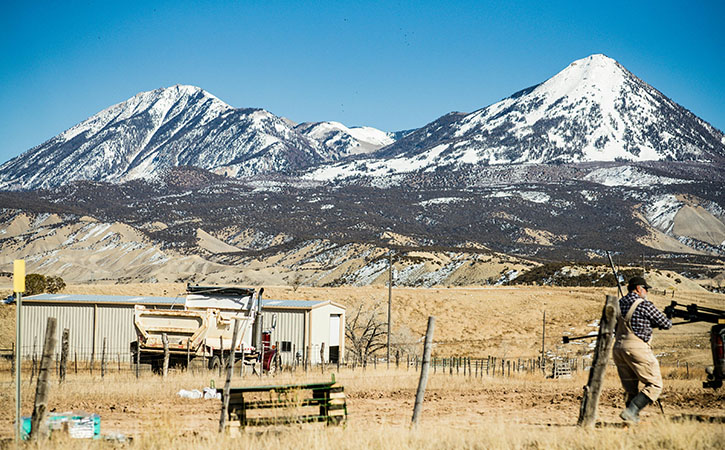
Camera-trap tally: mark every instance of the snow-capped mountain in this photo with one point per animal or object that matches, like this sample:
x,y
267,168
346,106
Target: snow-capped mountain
x,y
176,126
341,141
593,110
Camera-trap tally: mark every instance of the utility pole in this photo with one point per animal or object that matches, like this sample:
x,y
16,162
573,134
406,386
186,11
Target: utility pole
x,y
390,300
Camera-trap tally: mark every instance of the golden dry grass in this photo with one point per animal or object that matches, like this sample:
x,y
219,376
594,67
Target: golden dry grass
x,y
524,411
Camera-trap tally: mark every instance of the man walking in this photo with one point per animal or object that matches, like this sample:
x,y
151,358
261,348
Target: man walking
x,y
632,352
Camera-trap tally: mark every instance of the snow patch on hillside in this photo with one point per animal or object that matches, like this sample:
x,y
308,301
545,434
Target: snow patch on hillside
x,y
441,200
661,213
629,176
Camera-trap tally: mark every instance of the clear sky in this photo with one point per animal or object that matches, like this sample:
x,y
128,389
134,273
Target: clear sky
x,y
392,65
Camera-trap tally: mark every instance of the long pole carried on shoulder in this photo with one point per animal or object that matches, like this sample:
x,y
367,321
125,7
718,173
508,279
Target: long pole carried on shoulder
x,y
616,275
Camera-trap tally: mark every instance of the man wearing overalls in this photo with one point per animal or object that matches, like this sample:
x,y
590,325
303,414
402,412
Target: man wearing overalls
x,y
632,352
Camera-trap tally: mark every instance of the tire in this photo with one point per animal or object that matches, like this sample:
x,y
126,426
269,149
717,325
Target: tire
x,y
214,363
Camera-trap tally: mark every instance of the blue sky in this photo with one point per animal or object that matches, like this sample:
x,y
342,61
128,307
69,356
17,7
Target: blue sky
x,y
392,65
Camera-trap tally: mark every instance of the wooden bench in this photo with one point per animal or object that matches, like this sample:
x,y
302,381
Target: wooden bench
x,y
287,404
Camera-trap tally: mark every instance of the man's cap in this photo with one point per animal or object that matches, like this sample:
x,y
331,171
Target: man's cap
x,y
638,281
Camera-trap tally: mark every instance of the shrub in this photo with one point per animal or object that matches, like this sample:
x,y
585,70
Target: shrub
x,y
36,283
54,284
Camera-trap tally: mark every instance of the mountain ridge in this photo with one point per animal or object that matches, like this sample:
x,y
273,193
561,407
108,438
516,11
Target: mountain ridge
x,y
592,110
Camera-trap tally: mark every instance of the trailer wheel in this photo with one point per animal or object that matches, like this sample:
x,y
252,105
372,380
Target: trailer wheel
x,y
214,363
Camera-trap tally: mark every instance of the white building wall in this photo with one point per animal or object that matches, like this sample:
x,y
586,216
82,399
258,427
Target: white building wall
x,y
320,331
77,318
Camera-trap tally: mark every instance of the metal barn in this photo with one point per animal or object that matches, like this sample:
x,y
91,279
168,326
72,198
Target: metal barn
x,y
305,326
300,324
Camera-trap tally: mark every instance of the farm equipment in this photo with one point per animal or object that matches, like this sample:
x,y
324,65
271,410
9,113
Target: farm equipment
x,y
203,328
693,313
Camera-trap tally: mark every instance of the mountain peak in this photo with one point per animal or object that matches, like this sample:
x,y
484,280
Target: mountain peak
x,y
592,110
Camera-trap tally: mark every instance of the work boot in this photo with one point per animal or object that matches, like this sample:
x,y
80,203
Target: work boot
x,y
631,412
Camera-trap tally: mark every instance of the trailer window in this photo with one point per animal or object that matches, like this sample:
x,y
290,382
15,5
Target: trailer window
x,y
286,346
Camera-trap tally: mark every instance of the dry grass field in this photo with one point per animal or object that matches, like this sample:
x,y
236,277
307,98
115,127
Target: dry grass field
x,y
521,411
526,411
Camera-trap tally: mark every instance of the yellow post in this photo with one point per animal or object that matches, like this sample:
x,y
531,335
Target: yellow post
x,y
19,275
18,288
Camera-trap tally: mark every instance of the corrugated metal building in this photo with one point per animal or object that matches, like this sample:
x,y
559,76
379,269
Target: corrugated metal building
x,y
91,318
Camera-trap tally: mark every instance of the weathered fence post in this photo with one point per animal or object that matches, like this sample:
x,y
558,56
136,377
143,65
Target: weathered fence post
x,y
424,370
605,340
188,353
322,358
221,355
32,369
138,354
230,370
278,358
165,367
307,357
63,355
37,422
75,362
103,359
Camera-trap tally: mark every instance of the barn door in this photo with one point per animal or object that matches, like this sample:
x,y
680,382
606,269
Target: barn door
x,y
335,323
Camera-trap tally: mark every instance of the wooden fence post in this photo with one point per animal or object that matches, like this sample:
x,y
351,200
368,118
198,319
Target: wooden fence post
x,y
165,342
138,354
221,354
103,359
322,358
32,369
307,357
63,355
230,370
605,340
38,425
424,370
278,359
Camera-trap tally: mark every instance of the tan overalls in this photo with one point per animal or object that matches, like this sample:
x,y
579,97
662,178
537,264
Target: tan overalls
x,y
635,360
